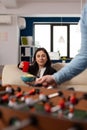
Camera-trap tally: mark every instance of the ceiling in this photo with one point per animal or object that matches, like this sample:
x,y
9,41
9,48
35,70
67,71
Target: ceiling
x,y
15,3
56,0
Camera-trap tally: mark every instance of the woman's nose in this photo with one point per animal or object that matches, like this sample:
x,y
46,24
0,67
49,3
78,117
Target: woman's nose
x,y
41,57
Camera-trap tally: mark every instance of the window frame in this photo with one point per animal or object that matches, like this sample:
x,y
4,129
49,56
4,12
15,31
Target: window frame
x,y
51,33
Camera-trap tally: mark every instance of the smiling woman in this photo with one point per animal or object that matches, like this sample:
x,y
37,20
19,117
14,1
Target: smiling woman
x,y
41,64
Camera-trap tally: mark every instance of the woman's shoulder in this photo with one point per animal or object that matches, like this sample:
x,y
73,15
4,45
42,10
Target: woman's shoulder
x,y
50,68
53,69
31,67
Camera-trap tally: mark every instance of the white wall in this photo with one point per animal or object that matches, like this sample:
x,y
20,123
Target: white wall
x,y
44,9
9,43
9,47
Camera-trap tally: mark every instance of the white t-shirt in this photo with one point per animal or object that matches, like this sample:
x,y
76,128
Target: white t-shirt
x,y
41,72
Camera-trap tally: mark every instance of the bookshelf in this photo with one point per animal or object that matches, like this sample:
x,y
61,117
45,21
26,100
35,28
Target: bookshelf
x,y
26,53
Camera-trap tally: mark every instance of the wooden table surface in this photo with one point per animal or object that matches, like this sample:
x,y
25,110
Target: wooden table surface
x,y
46,122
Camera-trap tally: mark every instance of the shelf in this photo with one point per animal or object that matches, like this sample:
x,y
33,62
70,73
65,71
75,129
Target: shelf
x,y
27,53
26,46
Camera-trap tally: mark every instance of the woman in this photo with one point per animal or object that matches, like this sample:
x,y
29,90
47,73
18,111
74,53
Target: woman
x,y
41,64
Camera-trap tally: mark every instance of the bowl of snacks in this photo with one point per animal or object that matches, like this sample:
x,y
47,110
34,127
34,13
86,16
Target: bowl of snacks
x,y
28,78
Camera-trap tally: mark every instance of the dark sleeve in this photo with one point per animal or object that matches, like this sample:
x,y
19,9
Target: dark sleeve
x,y
52,70
49,71
32,70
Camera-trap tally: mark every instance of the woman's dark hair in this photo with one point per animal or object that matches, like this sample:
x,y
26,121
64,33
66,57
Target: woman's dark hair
x,y
35,65
48,63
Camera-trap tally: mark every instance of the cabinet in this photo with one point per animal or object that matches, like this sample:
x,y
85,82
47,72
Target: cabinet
x,y
26,53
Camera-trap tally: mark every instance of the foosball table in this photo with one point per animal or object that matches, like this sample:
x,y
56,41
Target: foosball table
x,y
38,108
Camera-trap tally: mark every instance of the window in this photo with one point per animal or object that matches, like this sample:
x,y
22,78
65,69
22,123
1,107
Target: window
x,y
75,40
60,40
48,35
42,36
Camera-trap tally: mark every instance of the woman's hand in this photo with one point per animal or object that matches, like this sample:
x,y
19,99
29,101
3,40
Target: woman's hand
x,y
21,65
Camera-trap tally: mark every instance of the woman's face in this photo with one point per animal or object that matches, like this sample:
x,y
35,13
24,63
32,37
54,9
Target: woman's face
x,y
41,58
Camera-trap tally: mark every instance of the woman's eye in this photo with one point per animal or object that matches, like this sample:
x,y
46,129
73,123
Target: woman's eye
x,y
43,56
38,56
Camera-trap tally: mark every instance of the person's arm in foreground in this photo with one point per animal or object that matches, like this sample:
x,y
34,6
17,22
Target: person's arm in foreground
x,y
77,65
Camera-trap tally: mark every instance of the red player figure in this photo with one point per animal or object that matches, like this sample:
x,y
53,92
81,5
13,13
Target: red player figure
x,y
71,111
62,103
19,94
47,107
73,98
5,97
